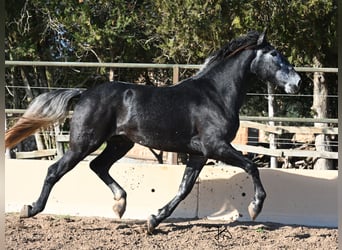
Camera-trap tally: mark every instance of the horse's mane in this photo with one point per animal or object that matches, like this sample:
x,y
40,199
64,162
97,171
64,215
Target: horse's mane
x,y
234,46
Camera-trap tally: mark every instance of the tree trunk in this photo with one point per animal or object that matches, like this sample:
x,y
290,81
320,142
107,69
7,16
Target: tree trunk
x,y
319,108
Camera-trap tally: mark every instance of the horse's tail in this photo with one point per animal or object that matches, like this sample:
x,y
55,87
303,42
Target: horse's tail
x,y
44,110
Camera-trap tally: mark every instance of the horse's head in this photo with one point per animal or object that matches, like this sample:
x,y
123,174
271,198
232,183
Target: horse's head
x,y
269,65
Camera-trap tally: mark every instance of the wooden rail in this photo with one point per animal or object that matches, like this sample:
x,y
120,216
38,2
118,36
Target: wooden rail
x,y
279,130
286,152
36,154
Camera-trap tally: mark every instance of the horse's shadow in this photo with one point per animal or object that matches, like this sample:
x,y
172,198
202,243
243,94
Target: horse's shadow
x,y
172,226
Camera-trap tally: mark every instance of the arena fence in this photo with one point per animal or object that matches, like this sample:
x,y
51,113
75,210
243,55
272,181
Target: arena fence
x,y
257,123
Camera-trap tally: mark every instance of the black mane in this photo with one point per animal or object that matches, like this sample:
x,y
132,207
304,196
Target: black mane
x,y
243,41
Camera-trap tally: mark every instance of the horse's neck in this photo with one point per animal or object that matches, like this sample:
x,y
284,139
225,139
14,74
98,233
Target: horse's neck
x,y
232,79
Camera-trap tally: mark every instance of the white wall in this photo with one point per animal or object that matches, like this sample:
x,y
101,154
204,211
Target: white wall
x,y
304,197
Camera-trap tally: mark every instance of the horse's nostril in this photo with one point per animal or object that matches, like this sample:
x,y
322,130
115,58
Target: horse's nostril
x,y
292,88
299,83
296,87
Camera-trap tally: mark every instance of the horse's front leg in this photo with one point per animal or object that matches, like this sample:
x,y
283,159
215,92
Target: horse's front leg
x,y
192,171
226,153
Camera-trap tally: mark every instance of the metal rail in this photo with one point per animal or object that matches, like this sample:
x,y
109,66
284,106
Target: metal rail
x,y
99,64
137,65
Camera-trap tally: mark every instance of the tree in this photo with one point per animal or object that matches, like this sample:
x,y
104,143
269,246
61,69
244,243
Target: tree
x,y
188,31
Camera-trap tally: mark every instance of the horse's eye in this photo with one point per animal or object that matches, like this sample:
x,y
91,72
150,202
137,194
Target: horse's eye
x,y
273,53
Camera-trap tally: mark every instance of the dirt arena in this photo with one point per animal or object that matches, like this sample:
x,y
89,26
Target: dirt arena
x,y
69,232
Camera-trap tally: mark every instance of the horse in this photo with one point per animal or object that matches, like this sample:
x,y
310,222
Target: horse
x,y
198,116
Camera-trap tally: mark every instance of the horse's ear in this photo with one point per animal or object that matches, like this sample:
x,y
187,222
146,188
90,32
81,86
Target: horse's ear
x,y
262,37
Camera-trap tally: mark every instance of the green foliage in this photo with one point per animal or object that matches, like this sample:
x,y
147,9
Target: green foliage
x,y
187,31
297,27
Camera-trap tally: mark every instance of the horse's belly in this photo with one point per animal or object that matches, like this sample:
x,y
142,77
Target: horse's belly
x,y
166,141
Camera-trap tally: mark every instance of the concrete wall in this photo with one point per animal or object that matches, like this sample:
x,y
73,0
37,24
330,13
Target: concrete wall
x,y
304,197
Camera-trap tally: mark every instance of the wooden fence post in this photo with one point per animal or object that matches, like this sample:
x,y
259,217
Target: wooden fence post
x,y
271,136
320,109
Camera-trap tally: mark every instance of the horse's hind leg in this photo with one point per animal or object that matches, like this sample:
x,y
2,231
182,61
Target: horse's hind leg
x,y
192,171
55,172
116,148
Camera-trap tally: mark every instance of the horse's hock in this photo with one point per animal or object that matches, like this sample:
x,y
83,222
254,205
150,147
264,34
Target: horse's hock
x,y
305,197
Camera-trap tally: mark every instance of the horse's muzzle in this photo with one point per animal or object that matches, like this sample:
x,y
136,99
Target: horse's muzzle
x,y
293,85
292,88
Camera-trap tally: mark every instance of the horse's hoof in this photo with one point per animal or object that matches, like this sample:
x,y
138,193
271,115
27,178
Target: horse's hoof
x,y
26,211
254,210
119,207
151,224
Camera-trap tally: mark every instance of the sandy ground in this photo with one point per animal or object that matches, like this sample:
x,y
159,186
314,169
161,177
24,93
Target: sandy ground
x,y
68,232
